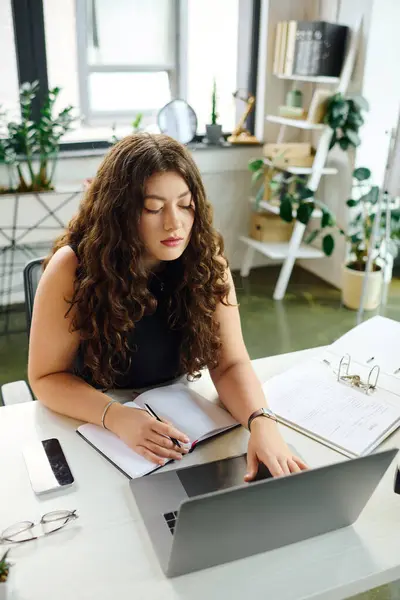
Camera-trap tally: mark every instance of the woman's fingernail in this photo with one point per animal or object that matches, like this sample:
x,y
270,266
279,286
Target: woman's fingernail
x,y
186,440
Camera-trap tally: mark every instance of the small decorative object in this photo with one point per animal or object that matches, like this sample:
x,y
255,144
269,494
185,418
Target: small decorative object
x,y
294,98
344,116
178,120
5,570
30,147
292,112
214,130
364,205
240,135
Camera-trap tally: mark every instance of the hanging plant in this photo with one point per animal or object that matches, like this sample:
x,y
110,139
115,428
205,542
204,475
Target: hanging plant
x,y
344,117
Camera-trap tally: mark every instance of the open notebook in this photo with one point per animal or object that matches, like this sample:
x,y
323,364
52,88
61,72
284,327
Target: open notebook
x,y
192,414
309,397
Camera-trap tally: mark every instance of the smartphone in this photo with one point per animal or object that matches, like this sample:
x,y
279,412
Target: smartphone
x,y
47,466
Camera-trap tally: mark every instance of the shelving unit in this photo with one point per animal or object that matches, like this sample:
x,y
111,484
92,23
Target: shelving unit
x,y
294,249
298,123
279,250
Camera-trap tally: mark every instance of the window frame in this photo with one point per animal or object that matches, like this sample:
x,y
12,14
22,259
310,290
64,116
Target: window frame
x,y
29,29
93,117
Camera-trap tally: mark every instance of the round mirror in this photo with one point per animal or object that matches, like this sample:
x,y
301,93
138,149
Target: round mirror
x,y
178,119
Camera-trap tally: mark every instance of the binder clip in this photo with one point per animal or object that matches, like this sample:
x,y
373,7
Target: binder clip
x,y
355,379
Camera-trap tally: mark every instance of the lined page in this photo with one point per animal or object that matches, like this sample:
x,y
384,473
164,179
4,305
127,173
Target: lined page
x,y
309,396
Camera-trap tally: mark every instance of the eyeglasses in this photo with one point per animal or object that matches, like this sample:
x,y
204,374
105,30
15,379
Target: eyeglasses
x,y
50,522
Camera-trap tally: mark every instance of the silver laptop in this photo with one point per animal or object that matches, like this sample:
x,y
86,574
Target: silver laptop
x,y
186,509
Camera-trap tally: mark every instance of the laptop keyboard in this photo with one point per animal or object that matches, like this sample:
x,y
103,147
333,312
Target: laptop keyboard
x,y
171,518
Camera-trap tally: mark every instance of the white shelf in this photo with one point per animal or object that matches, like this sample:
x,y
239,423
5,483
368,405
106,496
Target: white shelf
x,y
301,170
310,78
272,208
309,170
299,123
279,251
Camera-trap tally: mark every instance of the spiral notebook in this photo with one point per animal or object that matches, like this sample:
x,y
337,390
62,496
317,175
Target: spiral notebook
x,y
348,398
189,412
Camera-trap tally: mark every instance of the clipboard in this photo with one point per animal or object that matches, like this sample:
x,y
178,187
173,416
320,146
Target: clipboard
x,y
327,405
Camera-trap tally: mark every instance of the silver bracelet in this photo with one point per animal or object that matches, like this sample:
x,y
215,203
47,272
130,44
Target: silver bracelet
x,y
105,412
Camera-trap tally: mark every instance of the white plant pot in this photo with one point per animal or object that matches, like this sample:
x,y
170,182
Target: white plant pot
x,y
352,284
7,588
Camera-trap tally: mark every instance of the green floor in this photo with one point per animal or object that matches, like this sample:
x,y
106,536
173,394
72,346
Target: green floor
x,y
311,315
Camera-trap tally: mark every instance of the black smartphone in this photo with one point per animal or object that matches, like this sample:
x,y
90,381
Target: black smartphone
x,y
47,466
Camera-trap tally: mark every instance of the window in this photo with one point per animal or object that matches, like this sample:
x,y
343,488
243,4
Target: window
x,y
116,58
8,67
127,57
212,41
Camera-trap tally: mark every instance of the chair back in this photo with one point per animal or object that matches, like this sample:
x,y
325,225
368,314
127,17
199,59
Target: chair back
x,y
32,272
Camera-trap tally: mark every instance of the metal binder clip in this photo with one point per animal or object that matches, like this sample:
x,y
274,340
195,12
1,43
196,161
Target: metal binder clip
x,y
355,379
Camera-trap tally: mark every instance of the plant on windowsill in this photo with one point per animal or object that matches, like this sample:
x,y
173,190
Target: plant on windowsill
x,y
5,570
214,130
135,128
295,200
344,117
29,148
364,208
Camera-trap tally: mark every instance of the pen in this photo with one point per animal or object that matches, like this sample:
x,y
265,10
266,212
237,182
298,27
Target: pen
x,y
371,359
151,411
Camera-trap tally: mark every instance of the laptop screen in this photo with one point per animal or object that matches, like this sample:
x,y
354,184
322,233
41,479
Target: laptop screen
x,y
217,475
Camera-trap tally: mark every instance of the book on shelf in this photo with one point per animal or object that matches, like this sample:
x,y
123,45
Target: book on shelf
x,y
309,48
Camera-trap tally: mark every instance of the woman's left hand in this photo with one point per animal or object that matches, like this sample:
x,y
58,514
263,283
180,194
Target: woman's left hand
x,y
267,446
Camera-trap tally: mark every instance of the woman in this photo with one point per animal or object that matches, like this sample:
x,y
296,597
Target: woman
x,y
137,293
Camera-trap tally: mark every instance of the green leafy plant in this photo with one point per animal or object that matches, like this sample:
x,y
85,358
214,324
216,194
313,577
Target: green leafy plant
x,y
296,200
30,147
135,127
4,567
344,117
214,114
364,210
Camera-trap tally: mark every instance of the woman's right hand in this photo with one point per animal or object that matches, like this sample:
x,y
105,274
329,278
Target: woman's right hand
x,y
144,434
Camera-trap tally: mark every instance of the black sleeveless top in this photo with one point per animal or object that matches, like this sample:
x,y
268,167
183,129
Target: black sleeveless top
x,y
155,356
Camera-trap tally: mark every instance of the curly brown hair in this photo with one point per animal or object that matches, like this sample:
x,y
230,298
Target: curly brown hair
x,y
111,292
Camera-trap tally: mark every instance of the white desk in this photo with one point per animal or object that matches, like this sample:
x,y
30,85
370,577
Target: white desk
x,y
106,553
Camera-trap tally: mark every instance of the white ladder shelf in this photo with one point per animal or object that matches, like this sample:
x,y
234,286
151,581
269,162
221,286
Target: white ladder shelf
x,y
294,249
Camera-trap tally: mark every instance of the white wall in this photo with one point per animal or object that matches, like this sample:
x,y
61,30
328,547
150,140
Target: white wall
x,y
381,86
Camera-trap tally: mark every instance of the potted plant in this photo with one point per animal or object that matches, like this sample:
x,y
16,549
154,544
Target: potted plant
x,y
364,209
344,117
32,211
293,198
29,148
214,130
5,570
135,128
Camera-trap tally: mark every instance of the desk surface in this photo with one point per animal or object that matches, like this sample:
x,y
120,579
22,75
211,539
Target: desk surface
x,y
107,554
